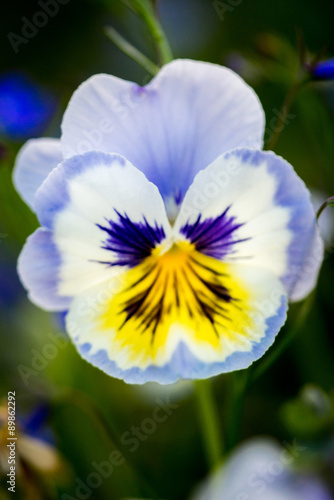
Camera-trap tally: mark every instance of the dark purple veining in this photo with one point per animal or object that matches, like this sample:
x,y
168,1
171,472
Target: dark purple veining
x,y
214,237
131,241
178,197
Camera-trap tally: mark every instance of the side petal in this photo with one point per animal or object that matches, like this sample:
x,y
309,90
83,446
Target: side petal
x,y
189,114
38,269
34,162
251,208
163,326
105,216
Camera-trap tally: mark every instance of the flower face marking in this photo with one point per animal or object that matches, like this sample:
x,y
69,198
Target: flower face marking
x,y
179,289
131,241
213,236
167,272
172,283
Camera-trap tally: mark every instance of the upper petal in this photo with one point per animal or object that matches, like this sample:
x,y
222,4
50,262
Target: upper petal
x,y
189,114
34,162
250,207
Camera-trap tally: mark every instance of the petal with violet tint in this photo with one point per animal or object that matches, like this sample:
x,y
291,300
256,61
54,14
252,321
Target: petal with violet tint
x,y
38,269
188,115
180,314
34,162
260,470
102,216
250,207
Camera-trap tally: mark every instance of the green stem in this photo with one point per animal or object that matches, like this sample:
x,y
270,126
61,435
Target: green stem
x,y
146,11
163,48
285,109
238,390
273,355
131,51
328,203
209,421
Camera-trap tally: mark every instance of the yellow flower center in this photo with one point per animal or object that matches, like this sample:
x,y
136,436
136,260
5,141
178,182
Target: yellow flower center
x,y
171,293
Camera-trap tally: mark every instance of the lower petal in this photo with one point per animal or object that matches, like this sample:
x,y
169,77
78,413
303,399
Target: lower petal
x,y
179,315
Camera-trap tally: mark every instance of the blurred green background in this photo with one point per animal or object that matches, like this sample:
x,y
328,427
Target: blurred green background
x,y
62,400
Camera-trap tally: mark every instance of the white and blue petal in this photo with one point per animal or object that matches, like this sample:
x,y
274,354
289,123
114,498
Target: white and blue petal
x,y
36,159
103,215
189,114
250,207
157,324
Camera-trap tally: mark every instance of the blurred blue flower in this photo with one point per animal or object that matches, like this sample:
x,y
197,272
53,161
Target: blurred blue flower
x,y
262,470
34,454
10,286
25,107
35,424
323,70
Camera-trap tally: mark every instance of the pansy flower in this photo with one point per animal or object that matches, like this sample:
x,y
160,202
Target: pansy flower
x,y
260,469
171,239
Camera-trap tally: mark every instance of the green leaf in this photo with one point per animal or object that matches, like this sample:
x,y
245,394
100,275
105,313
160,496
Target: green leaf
x,y
311,415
